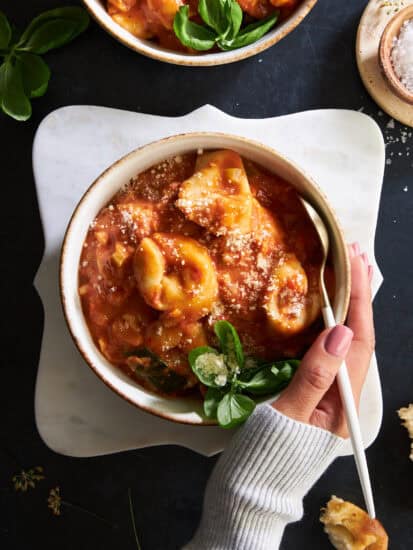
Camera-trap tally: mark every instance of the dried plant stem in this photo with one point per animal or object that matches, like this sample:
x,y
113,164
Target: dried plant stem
x,y
132,515
80,509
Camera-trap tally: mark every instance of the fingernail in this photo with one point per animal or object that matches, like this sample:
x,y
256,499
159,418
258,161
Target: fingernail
x,y
338,341
365,259
370,273
356,249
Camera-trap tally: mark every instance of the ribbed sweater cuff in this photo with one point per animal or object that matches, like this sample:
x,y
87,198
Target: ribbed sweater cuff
x,y
260,480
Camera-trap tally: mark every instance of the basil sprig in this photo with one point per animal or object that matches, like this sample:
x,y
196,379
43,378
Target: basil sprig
x,y
223,19
229,376
24,74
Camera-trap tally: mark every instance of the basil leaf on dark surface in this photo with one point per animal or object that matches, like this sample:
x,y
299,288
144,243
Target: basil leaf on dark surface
x,y
35,73
14,101
249,34
5,31
213,12
234,409
230,342
53,29
211,401
191,34
209,366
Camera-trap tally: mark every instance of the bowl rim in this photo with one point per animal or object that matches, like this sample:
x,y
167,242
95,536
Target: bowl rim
x,y
145,48
193,136
385,49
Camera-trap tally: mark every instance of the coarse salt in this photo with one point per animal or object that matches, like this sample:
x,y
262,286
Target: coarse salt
x,y
402,55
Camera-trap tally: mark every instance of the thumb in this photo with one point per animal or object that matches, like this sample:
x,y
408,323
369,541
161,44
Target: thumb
x,y
315,374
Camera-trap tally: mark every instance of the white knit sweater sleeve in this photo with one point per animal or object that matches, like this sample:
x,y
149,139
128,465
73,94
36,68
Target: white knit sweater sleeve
x,y
259,482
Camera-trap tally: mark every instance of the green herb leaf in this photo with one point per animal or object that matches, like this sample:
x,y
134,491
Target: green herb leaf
x,y
230,342
211,401
53,29
149,367
14,101
265,381
209,367
5,32
191,34
36,74
249,34
269,378
214,13
234,409
234,16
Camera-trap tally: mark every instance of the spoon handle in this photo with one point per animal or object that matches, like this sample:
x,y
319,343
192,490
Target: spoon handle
x,y
353,424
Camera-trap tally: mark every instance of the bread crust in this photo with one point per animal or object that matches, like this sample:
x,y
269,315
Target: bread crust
x,y
406,416
351,528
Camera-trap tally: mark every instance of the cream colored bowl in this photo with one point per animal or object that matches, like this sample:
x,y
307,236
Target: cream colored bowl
x,y
151,49
185,410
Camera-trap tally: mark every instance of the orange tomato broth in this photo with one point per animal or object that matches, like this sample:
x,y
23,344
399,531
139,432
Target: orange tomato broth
x,y
121,316
153,19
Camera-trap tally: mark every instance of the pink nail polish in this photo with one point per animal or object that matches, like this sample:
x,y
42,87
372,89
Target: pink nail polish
x,y
365,259
356,249
370,273
338,341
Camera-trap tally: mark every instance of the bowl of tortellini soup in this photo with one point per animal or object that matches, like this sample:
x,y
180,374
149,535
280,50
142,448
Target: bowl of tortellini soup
x,y
199,32
189,276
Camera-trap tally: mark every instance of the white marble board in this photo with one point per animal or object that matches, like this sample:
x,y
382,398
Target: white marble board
x,y
76,413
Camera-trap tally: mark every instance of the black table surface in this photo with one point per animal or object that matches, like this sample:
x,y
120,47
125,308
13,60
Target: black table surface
x,y
314,67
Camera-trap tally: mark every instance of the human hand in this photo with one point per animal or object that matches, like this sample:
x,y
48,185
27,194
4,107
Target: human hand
x,y
312,397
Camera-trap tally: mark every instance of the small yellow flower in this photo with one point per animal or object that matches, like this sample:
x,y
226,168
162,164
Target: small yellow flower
x,y
25,480
55,501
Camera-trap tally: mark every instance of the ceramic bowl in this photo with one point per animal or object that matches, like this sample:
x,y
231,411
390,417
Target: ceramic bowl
x,y
151,49
185,410
391,31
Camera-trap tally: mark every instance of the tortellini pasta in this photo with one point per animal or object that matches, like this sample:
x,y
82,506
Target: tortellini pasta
x,y
175,274
289,305
218,195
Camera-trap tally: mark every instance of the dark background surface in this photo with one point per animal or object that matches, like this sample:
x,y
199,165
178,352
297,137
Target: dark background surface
x,y
314,67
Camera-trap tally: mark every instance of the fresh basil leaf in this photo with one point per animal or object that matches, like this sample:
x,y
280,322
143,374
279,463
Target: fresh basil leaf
x,y
248,35
233,409
264,382
53,29
191,34
14,101
234,16
211,401
36,74
150,368
5,31
213,13
230,343
209,366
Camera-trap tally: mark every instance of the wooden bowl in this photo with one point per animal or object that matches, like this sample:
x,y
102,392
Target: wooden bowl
x,y
391,31
183,409
149,48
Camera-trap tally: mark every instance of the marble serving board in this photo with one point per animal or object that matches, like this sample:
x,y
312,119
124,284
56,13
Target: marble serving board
x,y
76,413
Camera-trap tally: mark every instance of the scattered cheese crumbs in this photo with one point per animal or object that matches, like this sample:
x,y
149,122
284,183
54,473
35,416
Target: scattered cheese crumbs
x,y
402,55
212,364
406,415
390,124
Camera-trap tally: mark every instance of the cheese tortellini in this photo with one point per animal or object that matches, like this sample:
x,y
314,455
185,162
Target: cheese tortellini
x,y
218,195
289,305
175,274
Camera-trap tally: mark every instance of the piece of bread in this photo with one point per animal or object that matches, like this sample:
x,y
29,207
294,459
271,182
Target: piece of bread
x,y
350,528
406,415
